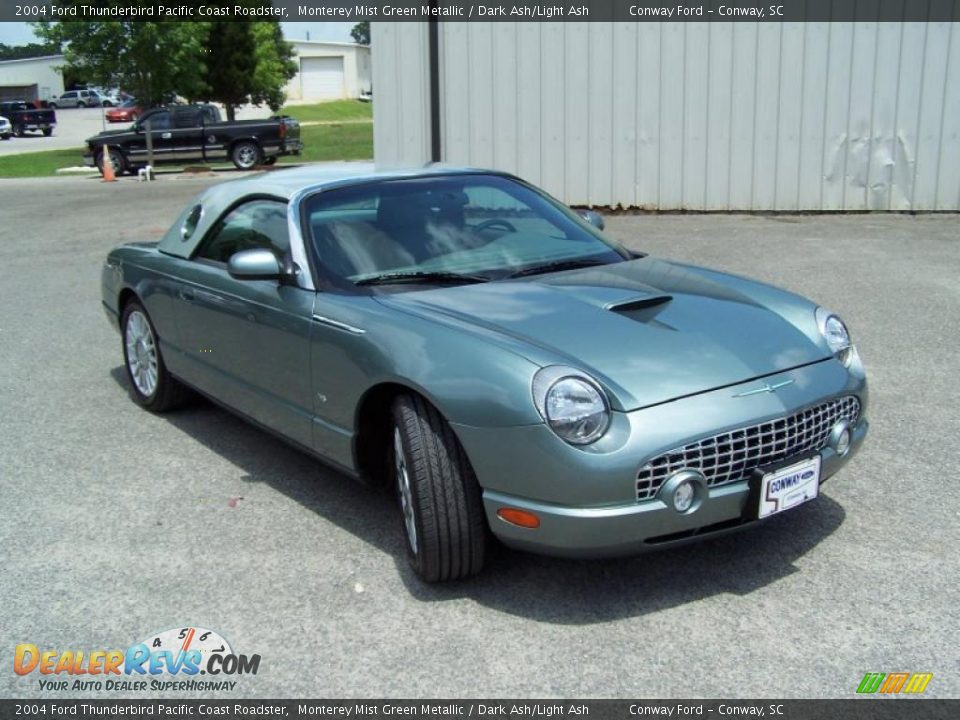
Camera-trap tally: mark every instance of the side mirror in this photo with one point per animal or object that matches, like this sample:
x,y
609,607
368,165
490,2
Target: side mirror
x,y
592,217
255,264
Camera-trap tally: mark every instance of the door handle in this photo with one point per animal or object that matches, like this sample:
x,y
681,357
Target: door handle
x,y
166,136
185,294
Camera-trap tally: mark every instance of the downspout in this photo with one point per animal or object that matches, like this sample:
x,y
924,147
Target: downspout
x,y
433,34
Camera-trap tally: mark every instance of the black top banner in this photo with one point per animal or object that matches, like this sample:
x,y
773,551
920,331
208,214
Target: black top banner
x,y
488,10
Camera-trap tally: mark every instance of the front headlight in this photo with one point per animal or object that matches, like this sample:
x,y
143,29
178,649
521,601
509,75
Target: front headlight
x,y
836,335
572,404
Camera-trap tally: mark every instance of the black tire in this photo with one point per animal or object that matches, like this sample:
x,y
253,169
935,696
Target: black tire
x,y
81,104
18,130
47,132
270,160
52,106
246,155
168,392
6,136
133,117
117,158
446,509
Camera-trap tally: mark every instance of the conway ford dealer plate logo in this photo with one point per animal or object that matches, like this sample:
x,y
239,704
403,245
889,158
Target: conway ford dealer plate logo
x,y
185,658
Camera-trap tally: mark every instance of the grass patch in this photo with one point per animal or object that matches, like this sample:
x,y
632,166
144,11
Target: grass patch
x,y
336,110
321,143
39,164
334,142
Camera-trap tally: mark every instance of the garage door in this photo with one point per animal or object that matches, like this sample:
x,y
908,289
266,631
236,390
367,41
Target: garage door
x,y
321,77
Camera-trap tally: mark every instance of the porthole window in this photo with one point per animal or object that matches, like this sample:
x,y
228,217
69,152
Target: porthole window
x,y
190,224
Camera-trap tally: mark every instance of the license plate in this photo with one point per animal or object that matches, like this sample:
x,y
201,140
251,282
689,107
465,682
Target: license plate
x,y
789,487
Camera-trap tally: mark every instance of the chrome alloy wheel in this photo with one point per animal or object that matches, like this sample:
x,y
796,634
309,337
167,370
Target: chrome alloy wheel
x,y
406,494
141,353
247,156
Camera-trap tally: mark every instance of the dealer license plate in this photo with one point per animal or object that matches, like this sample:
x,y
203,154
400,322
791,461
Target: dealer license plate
x,y
789,487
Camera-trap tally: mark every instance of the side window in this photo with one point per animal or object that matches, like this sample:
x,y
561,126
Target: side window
x,y
186,118
68,95
256,224
158,121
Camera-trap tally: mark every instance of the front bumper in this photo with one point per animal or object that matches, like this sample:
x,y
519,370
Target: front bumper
x,y
586,497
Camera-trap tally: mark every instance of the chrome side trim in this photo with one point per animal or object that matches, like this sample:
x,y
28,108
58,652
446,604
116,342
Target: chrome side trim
x,y
338,325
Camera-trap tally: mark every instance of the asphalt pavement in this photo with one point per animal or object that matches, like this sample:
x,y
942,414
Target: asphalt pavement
x,y
116,524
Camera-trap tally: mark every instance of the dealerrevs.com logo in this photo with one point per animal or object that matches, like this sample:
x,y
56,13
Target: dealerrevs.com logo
x,y
170,660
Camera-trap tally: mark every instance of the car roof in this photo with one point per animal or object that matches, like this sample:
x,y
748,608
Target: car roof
x,y
287,184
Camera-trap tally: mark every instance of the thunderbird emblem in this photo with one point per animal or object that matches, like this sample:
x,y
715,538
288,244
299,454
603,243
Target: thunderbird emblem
x,y
766,387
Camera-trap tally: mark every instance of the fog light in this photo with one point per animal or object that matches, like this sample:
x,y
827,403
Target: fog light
x,y
683,496
840,438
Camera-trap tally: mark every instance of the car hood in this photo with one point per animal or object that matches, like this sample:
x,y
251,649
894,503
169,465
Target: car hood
x,y
649,330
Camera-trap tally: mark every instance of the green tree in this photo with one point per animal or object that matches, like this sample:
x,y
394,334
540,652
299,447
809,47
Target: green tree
x,y
31,50
231,62
151,60
361,33
274,65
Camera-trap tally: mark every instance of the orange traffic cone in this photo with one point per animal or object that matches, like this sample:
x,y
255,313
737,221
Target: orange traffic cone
x,y
108,174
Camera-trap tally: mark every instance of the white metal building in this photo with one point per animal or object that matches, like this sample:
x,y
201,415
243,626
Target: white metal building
x,y
32,78
698,116
329,71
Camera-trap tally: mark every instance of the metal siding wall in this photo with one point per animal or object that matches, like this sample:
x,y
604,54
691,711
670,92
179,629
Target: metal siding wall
x,y
401,110
700,116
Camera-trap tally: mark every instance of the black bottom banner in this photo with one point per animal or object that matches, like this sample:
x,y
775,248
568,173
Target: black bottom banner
x,y
855,709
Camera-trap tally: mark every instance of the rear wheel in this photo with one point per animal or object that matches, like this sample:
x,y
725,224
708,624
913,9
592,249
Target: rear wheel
x,y
81,104
440,503
47,132
52,106
246,155
151,386
270,160
18,130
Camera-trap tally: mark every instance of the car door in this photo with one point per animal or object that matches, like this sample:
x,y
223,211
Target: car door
x,y
186,134
68,99
247,342
161,135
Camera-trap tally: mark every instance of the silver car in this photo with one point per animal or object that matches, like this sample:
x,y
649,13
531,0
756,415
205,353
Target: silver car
x,y
80,99
6,130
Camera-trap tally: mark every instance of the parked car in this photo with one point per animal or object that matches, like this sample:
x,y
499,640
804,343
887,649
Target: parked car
x,y
196,133
505,366
127,111
24,117
80,99
6,129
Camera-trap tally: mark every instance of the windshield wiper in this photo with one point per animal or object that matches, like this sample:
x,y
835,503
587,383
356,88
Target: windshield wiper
x,y
421,276
556,267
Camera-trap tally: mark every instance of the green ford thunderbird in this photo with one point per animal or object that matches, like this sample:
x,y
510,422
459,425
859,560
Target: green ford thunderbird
x,y
489,353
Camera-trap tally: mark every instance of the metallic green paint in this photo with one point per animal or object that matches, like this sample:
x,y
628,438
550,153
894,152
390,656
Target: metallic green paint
x,y
676,348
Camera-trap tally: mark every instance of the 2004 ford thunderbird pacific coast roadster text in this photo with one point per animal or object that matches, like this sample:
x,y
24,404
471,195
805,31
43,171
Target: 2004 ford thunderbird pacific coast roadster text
x,y
488,351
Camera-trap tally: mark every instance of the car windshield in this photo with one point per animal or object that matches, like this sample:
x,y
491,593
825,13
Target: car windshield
x,y
129,103
434,229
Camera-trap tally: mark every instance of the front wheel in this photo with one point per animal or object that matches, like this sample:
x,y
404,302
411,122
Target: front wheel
x,y
151,386
246,155
52,106
47,132
440,503
18,130
270,160
117,159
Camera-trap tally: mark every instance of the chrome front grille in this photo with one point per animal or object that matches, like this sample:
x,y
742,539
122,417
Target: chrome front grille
x,y
732,456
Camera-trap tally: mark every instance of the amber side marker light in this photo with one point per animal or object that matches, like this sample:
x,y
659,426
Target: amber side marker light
x,y
519,517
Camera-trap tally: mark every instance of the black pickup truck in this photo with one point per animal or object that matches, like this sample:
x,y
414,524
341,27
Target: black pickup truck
x,y
23,117
195,133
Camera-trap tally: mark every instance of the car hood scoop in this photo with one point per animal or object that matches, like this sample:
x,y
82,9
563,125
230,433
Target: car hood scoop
x,y
651,330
